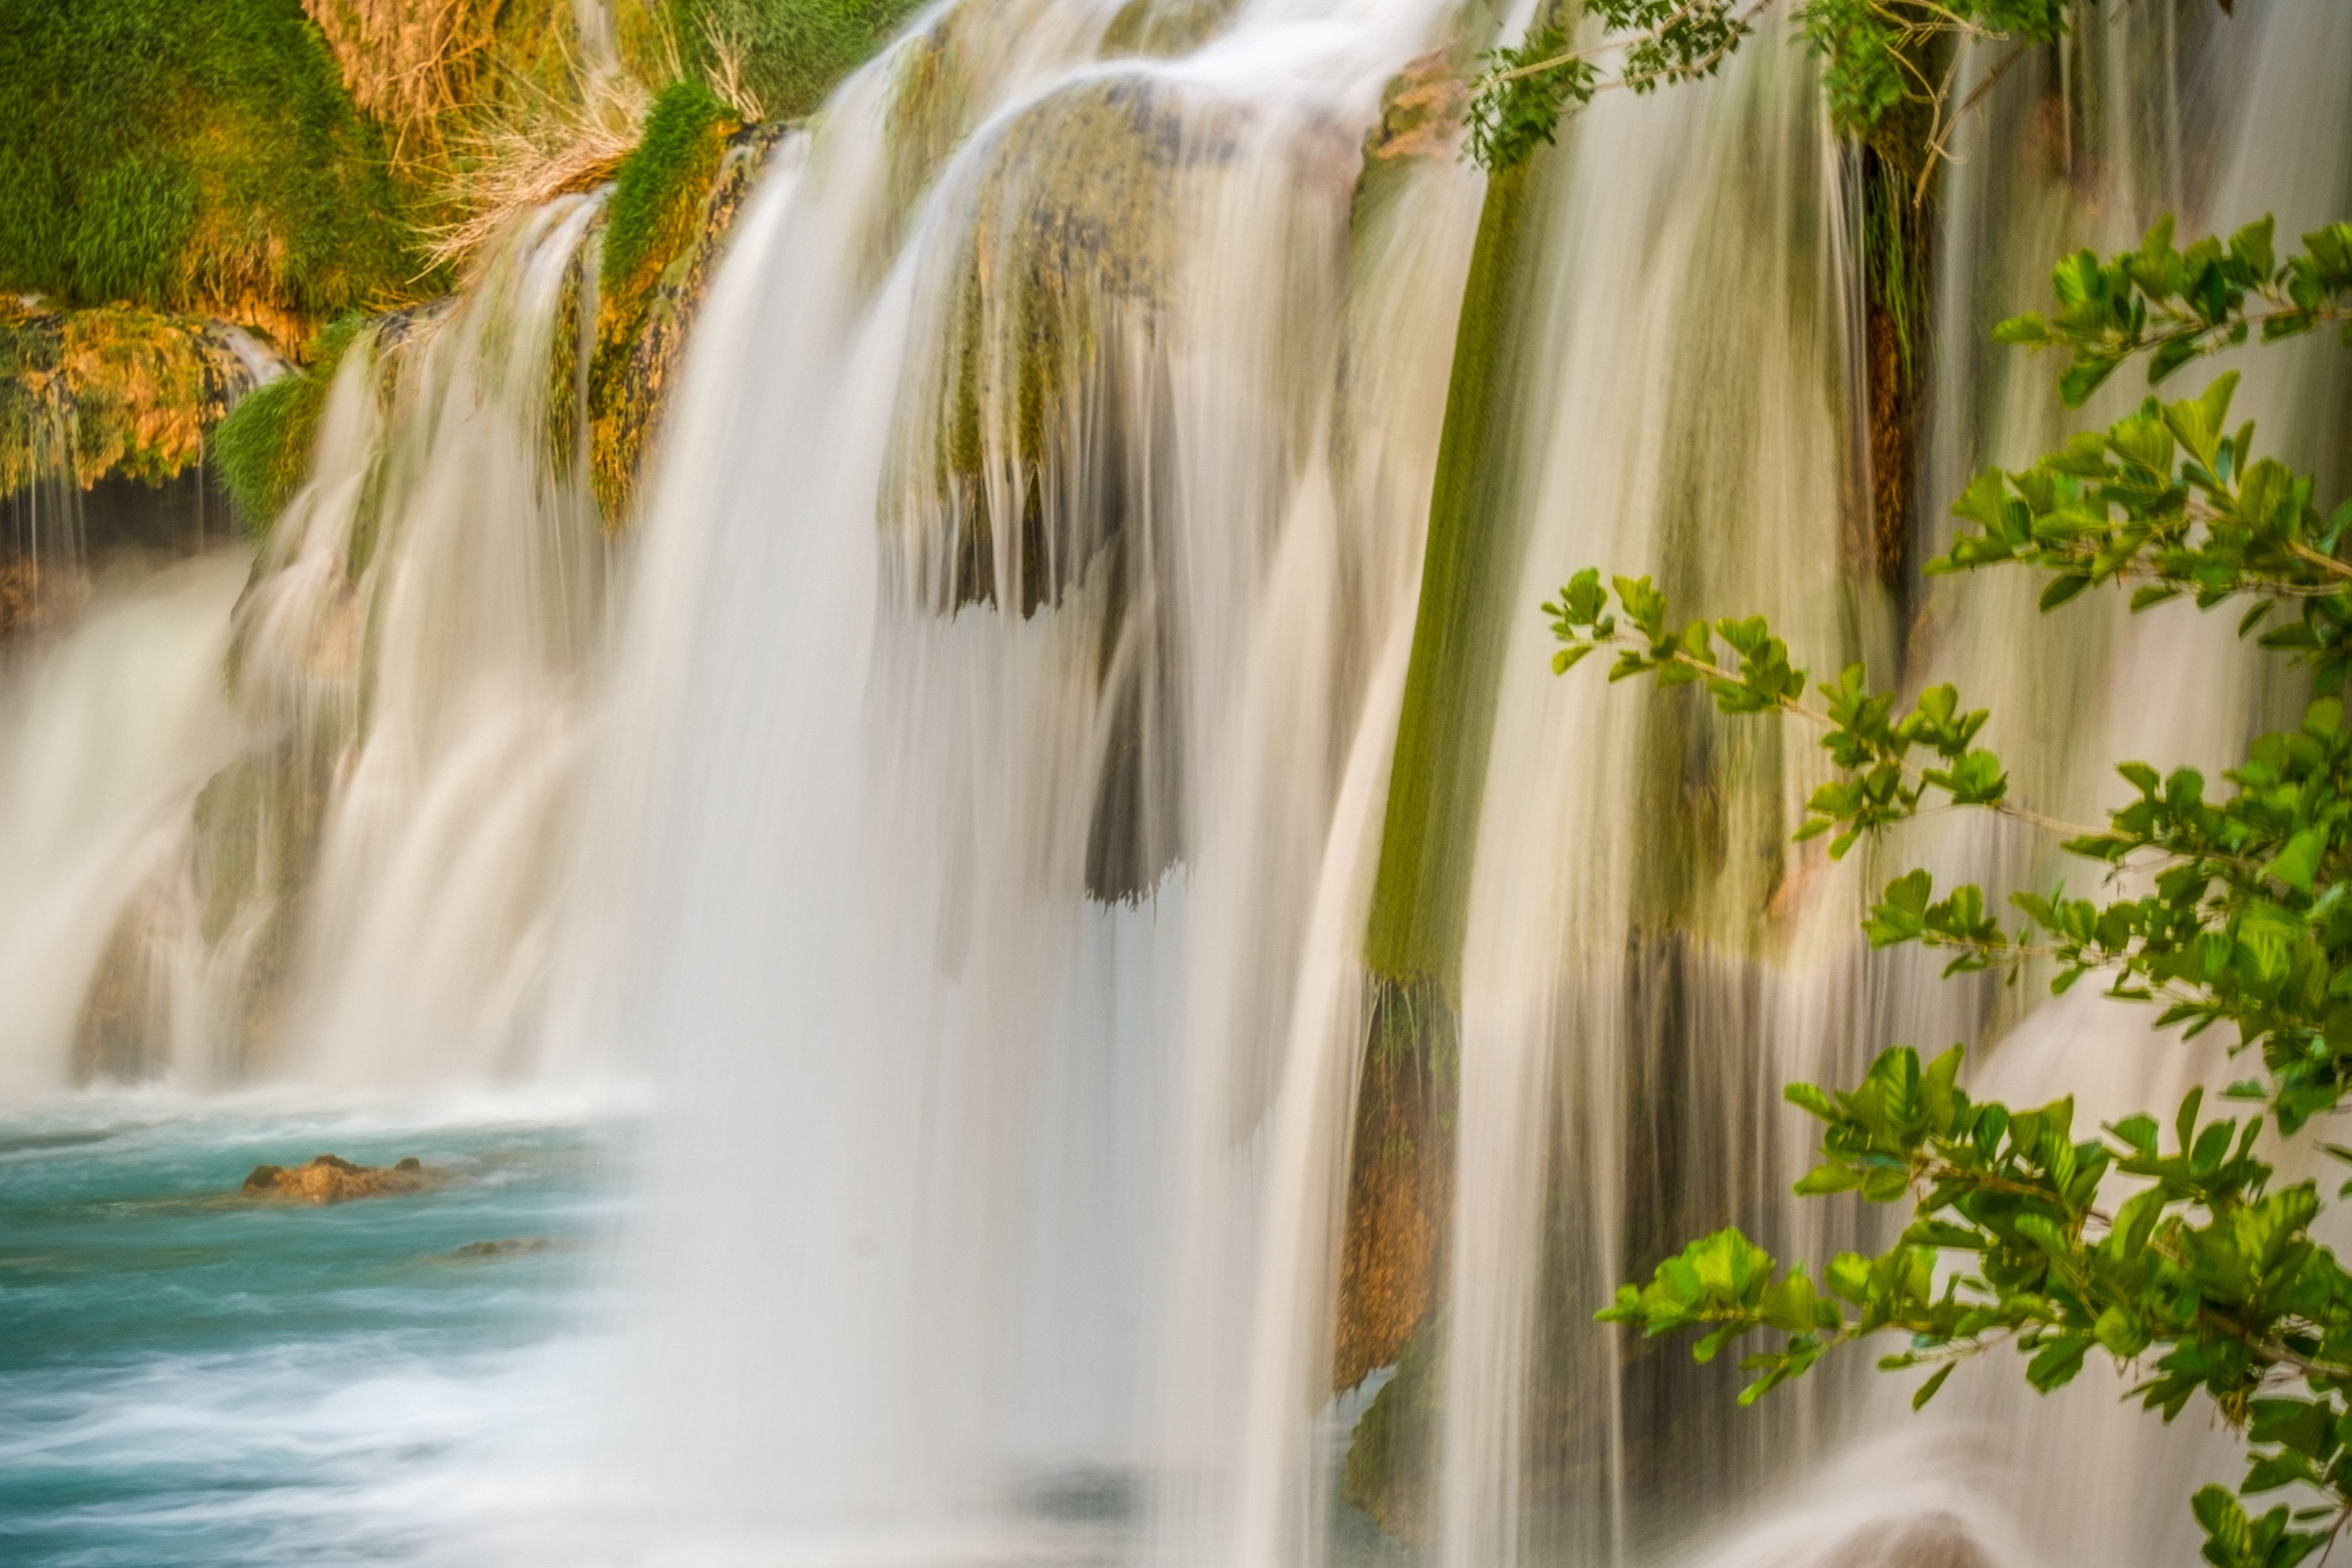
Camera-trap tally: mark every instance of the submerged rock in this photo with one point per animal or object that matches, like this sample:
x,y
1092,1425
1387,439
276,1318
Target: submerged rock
x,y
330,1179
506,1247
1939,1541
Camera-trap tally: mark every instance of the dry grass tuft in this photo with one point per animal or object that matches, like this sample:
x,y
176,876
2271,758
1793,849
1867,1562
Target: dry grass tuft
x,y
542,145
408,61
726,72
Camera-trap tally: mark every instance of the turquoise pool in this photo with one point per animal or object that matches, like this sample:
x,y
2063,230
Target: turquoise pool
x,y
187,1377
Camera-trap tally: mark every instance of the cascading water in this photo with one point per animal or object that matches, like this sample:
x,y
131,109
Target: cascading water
x,y
1637,941
1030,1043
360,888
1599,1036
105,738
478,610
971,819
2167,687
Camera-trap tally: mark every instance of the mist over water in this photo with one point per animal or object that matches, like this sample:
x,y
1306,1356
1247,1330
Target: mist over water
x,y
883,934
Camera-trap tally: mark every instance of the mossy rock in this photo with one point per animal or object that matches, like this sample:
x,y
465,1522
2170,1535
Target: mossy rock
x,y
674,204
89,394
1030,415
1025,449
932,105
1437,782
1390,1471
1163,28
115,1031
264,447
196,158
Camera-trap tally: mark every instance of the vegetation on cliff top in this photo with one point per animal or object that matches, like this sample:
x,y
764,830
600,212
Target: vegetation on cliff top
x,y
279,163
658,186
778,58
192,157
651,225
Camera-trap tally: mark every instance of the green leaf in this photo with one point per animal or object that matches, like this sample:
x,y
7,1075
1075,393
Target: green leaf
x,y
2057,1363
2084,377
2064,588
2028,329
2296,864
1829,1178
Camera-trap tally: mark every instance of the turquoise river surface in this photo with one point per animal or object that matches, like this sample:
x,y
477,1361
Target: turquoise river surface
x,y
189,1377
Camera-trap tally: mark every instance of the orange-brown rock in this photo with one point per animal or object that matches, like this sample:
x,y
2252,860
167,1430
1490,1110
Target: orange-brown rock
x,y
1400,1189
330,1179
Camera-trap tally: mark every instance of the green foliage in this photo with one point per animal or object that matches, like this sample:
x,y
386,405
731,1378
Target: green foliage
x,y
2175,304
188,156
1865,738
2202,1276
262,448
1525,90
1876,57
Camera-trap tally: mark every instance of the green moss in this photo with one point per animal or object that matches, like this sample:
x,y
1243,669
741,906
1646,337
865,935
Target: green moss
x,y
32,387
660,186
1163,27
1421,898
1391,1466
658,212
1070,245
791,53
262,449
85,395
198,157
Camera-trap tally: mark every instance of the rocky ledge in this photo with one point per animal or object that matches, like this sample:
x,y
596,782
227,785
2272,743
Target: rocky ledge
x,y
330,1179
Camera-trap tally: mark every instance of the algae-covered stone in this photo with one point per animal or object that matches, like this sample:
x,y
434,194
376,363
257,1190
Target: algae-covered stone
x,y
659,250
1421,896
1392,1466
104,415
1020,458
1164,27
86,394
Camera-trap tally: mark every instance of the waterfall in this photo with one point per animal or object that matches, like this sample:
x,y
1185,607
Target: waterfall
x,y
1026,591
962,788
1638,948
347,871
1622,1038
105,735
464,684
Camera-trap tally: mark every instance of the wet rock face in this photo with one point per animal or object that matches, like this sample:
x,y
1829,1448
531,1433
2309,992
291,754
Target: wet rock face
x,y
641,324
1400,1183
330,1179
1030,451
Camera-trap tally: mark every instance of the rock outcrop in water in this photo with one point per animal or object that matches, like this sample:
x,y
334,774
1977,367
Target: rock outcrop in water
x,y
330,1179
